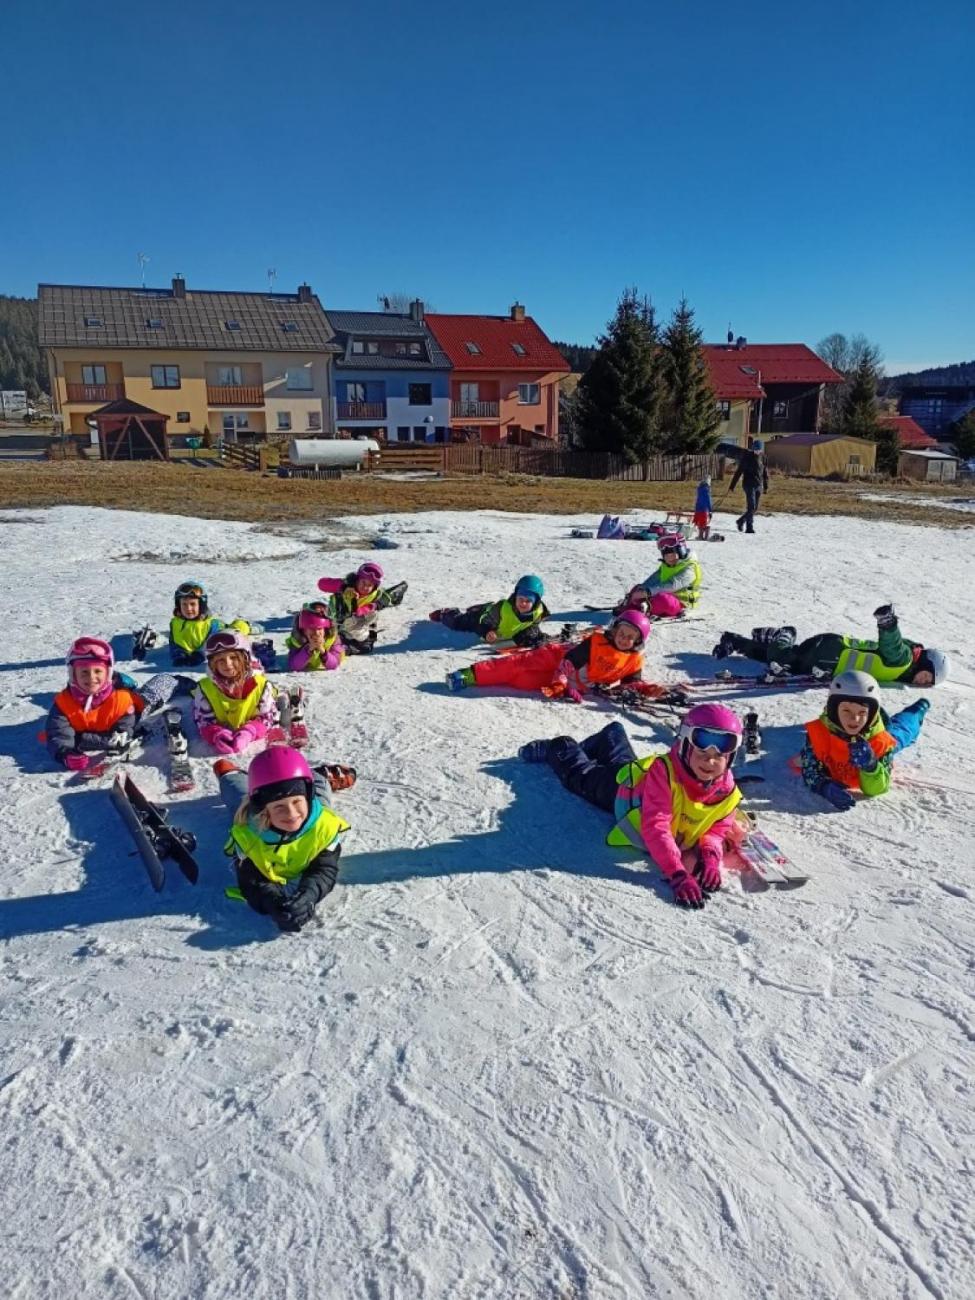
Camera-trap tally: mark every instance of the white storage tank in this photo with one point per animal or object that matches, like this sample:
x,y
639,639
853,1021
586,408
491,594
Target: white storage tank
x,y
330,453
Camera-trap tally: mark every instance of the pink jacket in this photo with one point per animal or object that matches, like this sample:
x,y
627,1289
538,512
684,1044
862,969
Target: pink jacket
x,y
656,813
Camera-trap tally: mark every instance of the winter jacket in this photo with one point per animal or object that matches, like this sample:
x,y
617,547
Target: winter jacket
x,y
89,724
662,808
682,579
826,756
595,661
188,636
303,660
349,602
752,471
702,502
890,658
503,619
255,699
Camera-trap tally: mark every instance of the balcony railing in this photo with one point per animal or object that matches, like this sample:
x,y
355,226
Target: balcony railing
x,y
235,395
465,410
95,392
362,410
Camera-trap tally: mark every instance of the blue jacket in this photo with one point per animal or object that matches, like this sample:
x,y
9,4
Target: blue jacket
x,y
703,500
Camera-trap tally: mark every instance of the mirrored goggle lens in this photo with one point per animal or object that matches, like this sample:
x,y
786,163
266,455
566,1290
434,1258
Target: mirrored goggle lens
x,y
725,742
190,591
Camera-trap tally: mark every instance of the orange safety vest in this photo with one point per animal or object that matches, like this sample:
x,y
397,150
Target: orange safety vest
x,y
833,751
607,664
102,718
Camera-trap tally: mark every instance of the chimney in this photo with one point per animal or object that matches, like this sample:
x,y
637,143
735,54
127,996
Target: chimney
x,y
740,342
304,293
731,336
517,312
179,286
416,310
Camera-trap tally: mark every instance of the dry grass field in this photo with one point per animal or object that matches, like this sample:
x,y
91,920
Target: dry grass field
x,y
237,494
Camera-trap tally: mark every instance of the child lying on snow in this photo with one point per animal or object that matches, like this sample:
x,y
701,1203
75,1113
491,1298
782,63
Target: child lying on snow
x,y
674,587
313,644
561,668
677,807
358,598
192,623
851,745
234,705
517,618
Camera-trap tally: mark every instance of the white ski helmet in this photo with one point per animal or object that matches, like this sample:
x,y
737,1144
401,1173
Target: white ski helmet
x,y
935,662
854,688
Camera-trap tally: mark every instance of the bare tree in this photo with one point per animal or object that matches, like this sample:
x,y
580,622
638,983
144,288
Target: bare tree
x,y
845,355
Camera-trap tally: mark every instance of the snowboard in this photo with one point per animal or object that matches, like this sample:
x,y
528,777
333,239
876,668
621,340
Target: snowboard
x,y
155,839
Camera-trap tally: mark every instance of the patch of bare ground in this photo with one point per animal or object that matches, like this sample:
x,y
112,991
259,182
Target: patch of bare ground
x,y
237,494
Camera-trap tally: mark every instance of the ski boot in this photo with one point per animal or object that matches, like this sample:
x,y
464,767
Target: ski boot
x,y
726,646
535,751
264,653
460,679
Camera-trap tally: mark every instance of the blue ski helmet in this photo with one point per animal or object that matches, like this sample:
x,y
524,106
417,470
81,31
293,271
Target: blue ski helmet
x,y
530,587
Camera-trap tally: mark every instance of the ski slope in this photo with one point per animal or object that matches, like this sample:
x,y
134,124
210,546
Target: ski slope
x,y
503,1064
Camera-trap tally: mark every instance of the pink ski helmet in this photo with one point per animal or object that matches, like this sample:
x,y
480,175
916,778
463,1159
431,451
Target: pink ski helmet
x,y
89,650
673,542
635,619
314,614
278,773
710,726
371,572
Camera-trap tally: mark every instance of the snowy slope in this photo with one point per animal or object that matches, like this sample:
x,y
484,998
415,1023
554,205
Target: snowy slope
x,y
504,1064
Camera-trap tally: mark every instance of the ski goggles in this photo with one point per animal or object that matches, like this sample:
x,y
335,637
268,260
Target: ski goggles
x,y
220,641
725,742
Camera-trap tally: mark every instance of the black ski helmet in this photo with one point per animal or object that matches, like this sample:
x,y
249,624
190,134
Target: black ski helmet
x,y
191,589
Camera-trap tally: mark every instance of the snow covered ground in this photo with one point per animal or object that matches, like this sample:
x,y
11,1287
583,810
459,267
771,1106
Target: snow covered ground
x,y
503,1064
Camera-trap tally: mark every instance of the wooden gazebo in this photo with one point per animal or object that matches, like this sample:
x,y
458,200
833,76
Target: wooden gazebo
x,y
130,431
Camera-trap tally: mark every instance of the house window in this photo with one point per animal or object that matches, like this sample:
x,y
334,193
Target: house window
x,y
401,349
372,349
518,350
529,394
314,421
229,376
182,417
93,322
723,409
231,325
232,423
748,370
298,379
780,410
165,376
93,374
284,421
854,460
420,395
416,349
469,393
440,434
289,326
402,433
154,323
419,433
472,348
358,347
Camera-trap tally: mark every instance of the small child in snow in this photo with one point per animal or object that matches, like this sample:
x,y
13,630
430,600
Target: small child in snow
x,y
702,509
285,839
191,624
678,807
97,714
851,745
313,644
358,599
234,705
517,618
674,587
561,668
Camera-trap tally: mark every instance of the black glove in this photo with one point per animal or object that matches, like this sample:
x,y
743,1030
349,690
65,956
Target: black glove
x,y
300,908
886,616
282,918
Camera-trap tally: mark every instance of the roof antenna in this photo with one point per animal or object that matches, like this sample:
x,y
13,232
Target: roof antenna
x,y
142,258
272,275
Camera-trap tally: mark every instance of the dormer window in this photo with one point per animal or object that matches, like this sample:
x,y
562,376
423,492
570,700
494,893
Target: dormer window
x,y
289,326
518,350
93,322
231,324
472,348
358,347
748,370
154,323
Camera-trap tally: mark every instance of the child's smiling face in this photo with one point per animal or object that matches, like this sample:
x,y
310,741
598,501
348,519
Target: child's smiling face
x,y
852,717
189,607
90,677
524,604
288,815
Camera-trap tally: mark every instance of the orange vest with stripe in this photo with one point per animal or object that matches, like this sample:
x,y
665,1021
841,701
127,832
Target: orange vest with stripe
x,y
833,751
103,717
607,664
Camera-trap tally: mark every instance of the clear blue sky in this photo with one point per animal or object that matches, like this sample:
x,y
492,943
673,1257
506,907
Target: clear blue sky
x,y
794,169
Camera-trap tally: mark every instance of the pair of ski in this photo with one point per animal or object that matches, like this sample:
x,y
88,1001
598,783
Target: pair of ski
x,y
758,852
154,837
743,681
637,701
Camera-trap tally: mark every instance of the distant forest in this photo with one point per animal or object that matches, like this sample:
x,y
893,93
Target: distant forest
x,y
578,357
963,372
22,363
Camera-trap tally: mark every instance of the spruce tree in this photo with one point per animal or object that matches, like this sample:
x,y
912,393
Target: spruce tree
x,y
690,414
862,417
618,398
962,436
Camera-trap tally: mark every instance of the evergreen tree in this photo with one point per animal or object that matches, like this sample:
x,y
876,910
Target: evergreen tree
x,y
22,363
690,413
618,398
962,436
862,418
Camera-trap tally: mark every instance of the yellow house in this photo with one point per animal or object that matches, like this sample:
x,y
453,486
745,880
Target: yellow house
x,y
231,364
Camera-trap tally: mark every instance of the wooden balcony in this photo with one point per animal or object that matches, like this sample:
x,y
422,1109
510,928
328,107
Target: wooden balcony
x,y
235,395
95,392
362,410
463,410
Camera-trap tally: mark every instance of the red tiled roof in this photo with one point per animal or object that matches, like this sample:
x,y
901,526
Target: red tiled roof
x,y
912,436
494,336
728,379
778,363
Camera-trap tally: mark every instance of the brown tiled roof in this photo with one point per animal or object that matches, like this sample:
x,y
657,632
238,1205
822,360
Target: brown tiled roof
x,y
198,320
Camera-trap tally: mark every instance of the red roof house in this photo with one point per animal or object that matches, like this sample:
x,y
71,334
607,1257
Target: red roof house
x,y
912,436
784,381
504,386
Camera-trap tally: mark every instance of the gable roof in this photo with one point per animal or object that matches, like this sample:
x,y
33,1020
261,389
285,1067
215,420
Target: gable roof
x,y
778,363
911,435
813,439
728,379
196,321
380,325
494,337
928,454
125,406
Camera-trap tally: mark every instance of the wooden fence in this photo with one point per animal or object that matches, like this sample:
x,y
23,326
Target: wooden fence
x,y
474,458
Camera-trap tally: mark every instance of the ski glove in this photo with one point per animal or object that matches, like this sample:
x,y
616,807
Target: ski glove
x,y
300,908
886,616
687,892
837,794
862,756
708,869
221,738
76,762
249,732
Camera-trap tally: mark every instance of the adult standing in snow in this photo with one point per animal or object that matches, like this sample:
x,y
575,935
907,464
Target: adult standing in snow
x,y
753,473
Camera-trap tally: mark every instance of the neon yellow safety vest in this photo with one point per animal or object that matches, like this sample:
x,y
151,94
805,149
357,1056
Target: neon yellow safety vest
x,y
687,595
315,657
230,712
863,657
282,862
690,819
511,623
190,634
